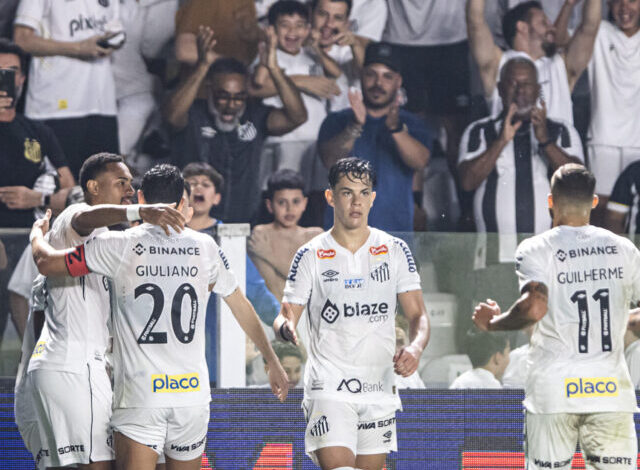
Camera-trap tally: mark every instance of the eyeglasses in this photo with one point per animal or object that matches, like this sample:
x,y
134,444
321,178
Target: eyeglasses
x,y
223,97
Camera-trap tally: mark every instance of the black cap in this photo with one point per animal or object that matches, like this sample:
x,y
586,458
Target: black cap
x,y
381,53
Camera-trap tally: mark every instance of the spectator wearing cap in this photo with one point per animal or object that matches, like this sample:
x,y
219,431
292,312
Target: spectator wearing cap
x,y
376,129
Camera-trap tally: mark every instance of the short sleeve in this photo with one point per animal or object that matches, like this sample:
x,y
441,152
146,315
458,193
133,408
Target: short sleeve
x,y
407,275
299,283
222,277
104,254
530,266
332,125
31,13
62,234
473,143
621,199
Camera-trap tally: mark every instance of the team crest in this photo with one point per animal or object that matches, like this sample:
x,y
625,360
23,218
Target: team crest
x,y
247,132
32,151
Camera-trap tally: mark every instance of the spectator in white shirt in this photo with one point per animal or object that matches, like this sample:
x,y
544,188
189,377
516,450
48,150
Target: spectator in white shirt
x,y
489,355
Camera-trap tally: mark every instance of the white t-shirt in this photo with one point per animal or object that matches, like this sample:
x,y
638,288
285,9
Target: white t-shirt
x,y
160,293
350,76
614,77
426,22
576,358
351,305
554,83
632,356
77,309
495,201
515,375
476,378
368,18
300,64
59,86
412,382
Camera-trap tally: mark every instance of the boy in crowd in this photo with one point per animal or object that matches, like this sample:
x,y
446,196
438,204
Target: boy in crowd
x,y
272,246
312,71
291,359
489,355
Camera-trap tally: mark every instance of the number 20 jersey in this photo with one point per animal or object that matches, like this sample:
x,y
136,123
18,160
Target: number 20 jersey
x,y
576,358
351,307
159,300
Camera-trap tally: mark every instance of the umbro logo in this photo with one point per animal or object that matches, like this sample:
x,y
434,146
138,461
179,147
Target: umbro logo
x,y
387,436
330,275
139,249
561,255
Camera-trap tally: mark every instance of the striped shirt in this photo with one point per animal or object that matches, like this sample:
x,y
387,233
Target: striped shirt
x,y
624,198
513,197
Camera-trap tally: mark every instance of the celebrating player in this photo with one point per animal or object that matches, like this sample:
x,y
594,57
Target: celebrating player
x,y
577,282
351,279
71,388
161,284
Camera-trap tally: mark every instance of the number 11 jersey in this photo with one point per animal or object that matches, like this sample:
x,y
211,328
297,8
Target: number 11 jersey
x,y
159,300
576,358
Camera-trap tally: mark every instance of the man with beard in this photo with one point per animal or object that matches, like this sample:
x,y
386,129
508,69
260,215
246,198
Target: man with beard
x,y
529,33
506,159
227,130
375,129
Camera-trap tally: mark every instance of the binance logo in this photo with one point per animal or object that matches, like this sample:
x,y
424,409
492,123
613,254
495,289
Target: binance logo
x,y
587,387
163,383
139,249
561,255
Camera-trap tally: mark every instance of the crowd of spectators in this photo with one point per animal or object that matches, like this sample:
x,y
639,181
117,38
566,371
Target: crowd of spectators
x,y
255,99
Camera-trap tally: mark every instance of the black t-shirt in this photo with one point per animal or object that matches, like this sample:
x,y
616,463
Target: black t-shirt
x,y
24,144
235,154
625,197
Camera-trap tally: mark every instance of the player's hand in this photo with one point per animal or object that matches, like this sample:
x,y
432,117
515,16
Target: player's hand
x,y
20,197
5,100
393,116
357,105
41,226
163,215
278,380
509,128
206,43
539,122
89,48
484,313
406,360
286,330
320,86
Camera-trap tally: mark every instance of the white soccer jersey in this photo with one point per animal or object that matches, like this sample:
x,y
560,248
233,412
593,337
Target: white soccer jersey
x,y
160,289
51,93
515,375
553,80
77,309
614,76
351,306
576,357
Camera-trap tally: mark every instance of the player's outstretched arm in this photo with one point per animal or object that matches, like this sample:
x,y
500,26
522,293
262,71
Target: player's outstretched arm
x,y
104,215
285,323
406,360
50,262
527,310
248,319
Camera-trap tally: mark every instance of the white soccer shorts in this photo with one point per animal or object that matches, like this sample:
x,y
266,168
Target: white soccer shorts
x,y
179,433
607,440
365,429
73,413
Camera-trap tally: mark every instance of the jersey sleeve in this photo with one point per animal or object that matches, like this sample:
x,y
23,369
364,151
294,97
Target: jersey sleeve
x,y
222,277
407,275
634,266
530,266
31,13
473,143
568,140
105,253
62,234
299,283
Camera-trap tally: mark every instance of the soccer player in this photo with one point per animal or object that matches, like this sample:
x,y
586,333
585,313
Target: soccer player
x,y
576,282
161,285
351,279
71,388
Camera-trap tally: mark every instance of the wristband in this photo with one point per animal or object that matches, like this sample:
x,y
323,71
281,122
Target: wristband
x,y
76,262
282,335
133,212
401,128
543,145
